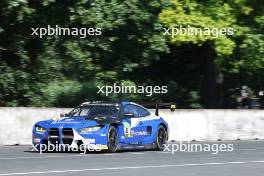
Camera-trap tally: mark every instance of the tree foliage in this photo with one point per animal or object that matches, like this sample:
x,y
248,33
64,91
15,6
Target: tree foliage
x,y
66,70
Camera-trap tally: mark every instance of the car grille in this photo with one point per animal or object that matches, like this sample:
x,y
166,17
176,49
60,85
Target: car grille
x,y
54,135
67,136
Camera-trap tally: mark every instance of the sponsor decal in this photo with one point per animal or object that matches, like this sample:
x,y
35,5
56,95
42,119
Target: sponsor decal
x,y
68,120
127,129
90,141
138,133
65,121
36,140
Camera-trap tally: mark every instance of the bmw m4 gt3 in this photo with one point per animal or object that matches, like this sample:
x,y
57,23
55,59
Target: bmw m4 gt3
x,y
105,126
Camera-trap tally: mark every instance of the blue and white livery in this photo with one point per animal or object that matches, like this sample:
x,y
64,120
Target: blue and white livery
x,y
105,126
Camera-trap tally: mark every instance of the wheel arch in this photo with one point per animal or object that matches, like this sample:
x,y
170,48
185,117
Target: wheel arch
x,y
165,125
116,125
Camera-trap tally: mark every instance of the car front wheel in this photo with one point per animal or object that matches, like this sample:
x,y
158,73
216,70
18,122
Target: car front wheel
x,y
112,139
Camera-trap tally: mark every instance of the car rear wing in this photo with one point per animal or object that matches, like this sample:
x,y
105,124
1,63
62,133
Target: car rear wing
x,y
158,105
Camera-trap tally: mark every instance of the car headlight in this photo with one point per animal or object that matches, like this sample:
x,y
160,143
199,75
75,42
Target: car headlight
x,y
41,129
90,129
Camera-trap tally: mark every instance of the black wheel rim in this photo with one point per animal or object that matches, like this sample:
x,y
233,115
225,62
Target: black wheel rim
x,y
112,141
162,137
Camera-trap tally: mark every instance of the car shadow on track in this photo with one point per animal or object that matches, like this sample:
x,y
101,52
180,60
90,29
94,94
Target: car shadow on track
x,y
30,150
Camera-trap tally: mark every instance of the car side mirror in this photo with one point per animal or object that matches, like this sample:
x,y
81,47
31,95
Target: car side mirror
x,y
64,115
129,115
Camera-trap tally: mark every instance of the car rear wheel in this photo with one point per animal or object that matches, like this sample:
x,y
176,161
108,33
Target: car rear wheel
x,y
112,139
162,137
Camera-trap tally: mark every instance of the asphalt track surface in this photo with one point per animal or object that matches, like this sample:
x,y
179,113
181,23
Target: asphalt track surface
x,y
247,159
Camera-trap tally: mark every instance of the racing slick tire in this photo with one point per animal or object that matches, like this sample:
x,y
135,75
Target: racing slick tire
x,y
112,142
162,138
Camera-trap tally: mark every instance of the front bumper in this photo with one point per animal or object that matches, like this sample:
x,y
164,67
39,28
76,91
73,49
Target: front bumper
x,y
70,137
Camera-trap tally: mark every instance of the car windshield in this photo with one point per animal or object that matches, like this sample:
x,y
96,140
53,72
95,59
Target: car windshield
x,y
95,111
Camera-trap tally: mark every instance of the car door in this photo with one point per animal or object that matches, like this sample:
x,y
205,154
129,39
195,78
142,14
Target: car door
x,y
134,128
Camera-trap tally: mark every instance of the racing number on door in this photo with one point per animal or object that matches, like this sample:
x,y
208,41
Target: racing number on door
x,y
127,129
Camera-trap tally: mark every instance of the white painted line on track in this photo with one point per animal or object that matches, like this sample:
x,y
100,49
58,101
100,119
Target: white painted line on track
x,y
247,149
136,153
110,154
132,167
42,156
56,156
36,157
164,152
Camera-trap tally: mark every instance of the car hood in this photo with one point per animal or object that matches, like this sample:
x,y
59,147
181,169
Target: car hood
x,y
77,122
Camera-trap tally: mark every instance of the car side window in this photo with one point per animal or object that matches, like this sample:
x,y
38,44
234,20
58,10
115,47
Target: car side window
x,y
136,110
143,112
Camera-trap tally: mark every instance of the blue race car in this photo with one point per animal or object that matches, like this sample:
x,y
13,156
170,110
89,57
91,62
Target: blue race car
x,y
105,126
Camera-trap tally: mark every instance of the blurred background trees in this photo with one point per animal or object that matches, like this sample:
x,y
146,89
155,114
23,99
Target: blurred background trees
x,y
201,72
